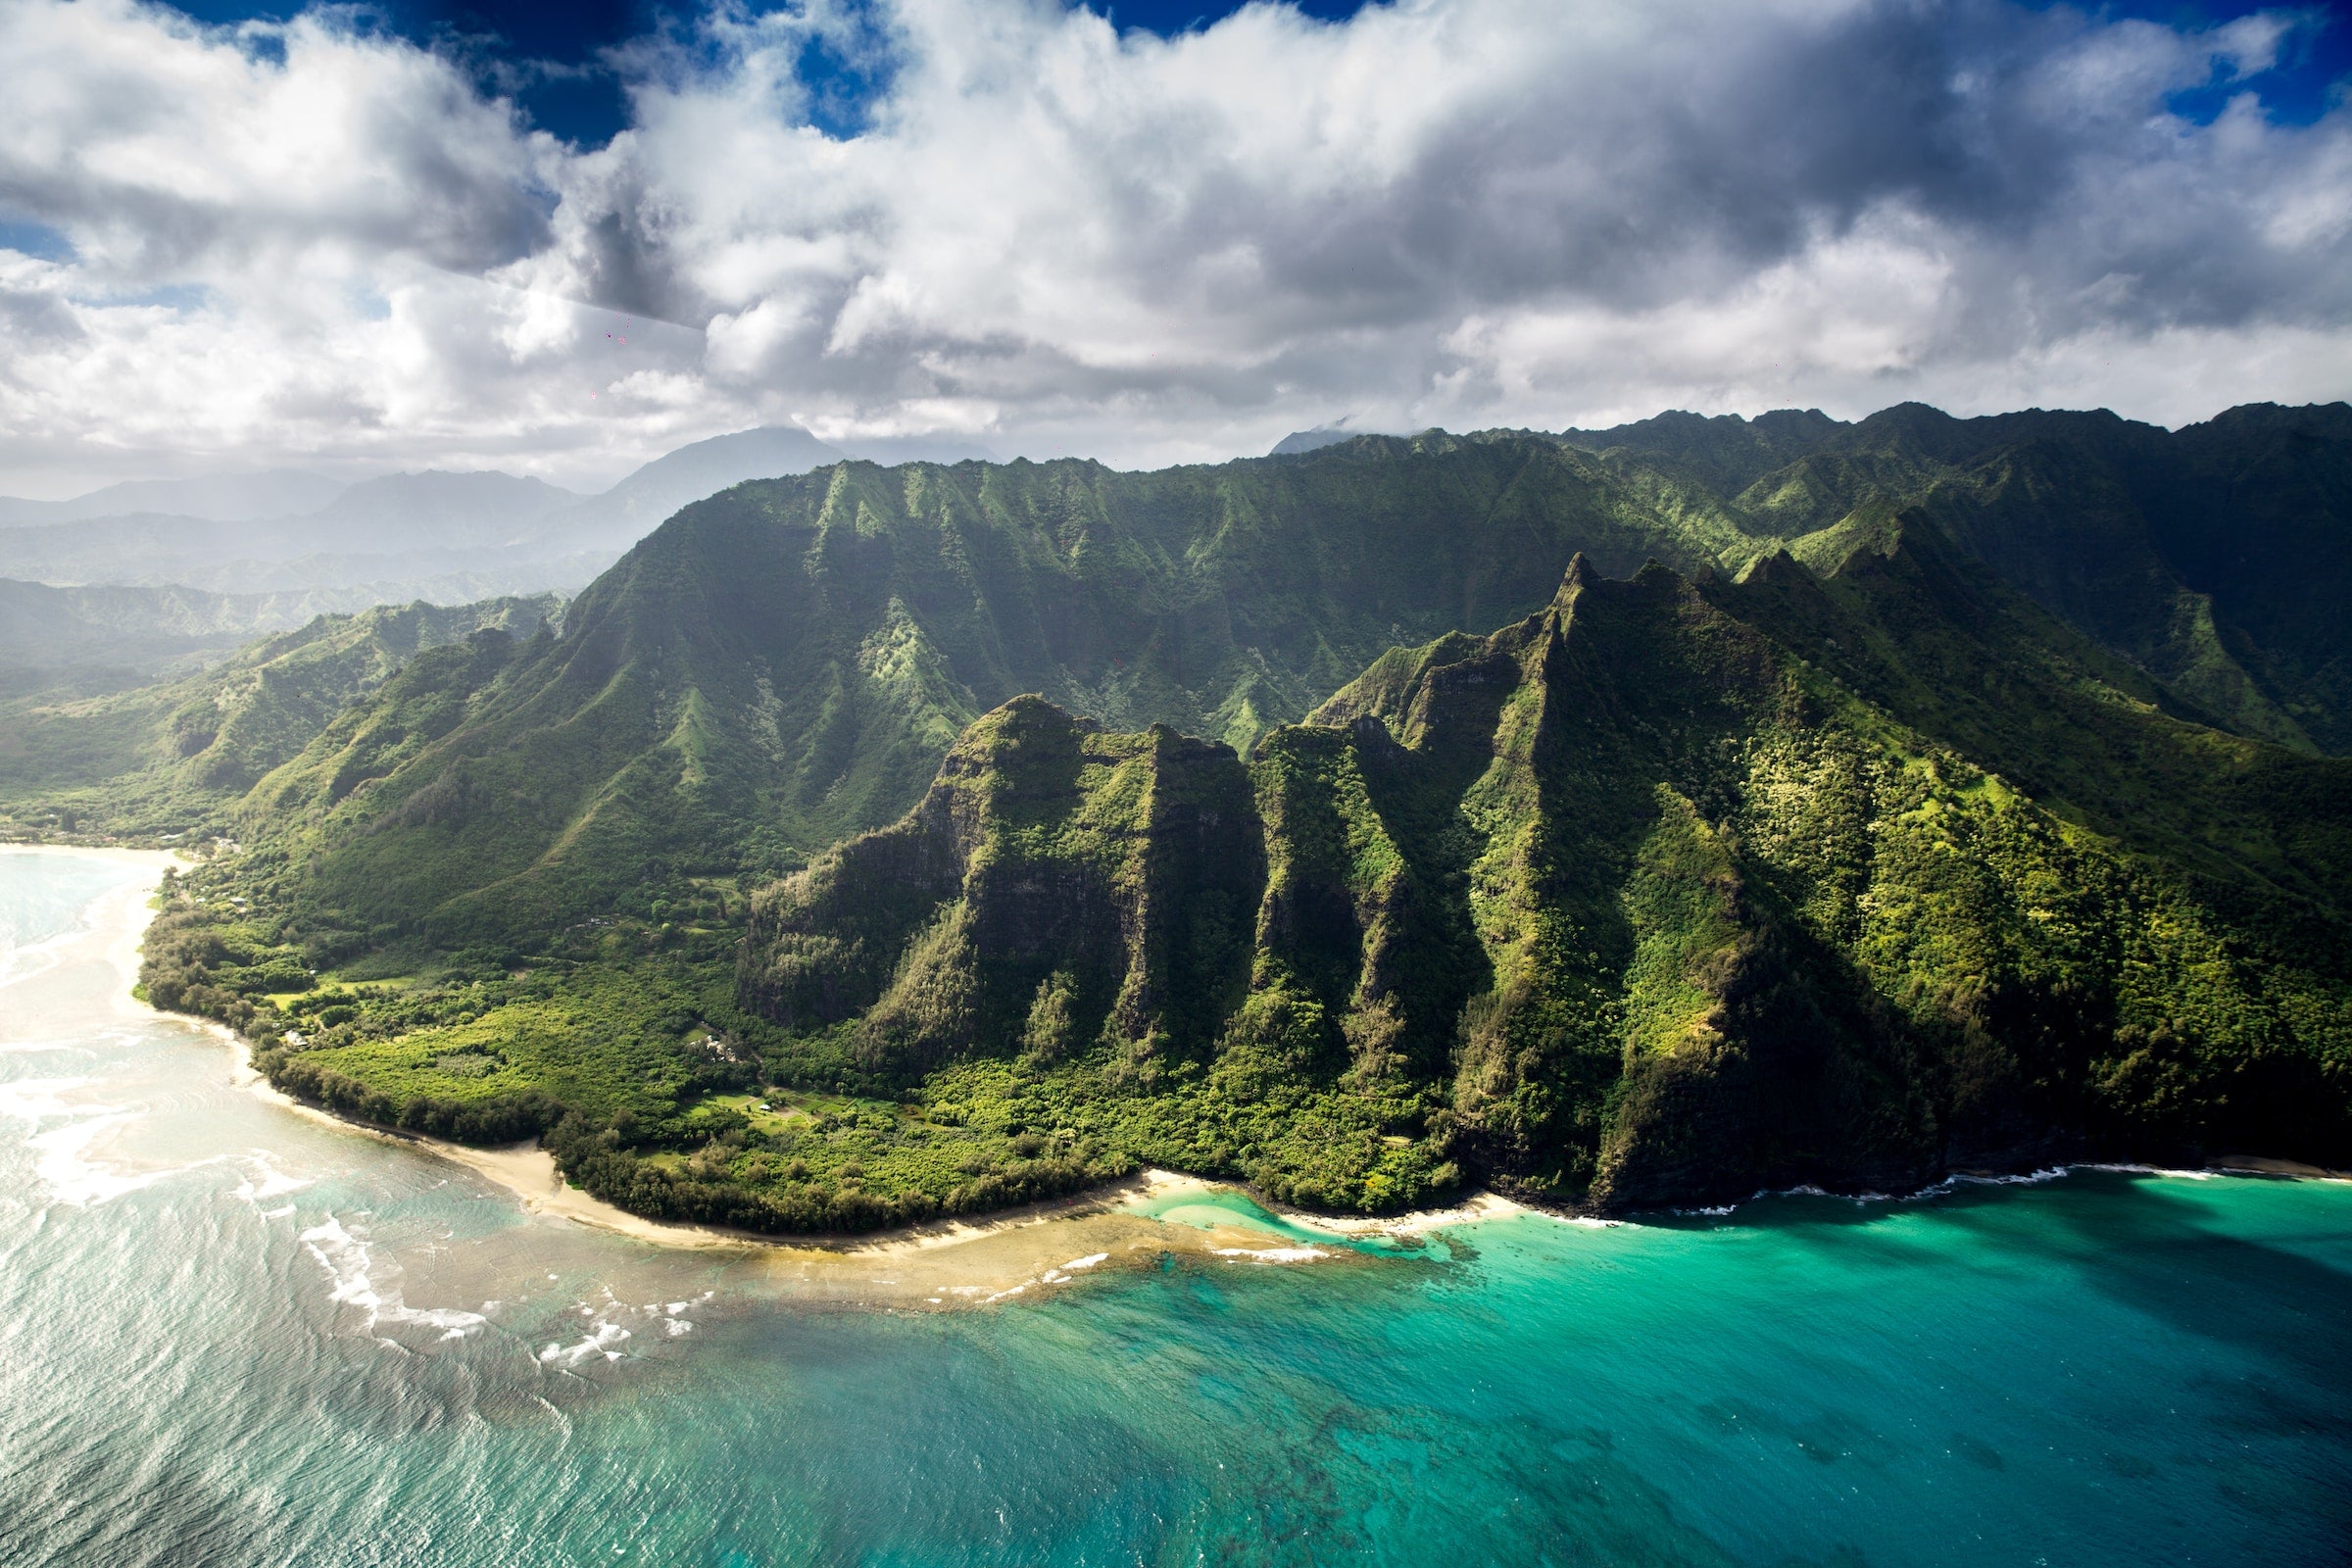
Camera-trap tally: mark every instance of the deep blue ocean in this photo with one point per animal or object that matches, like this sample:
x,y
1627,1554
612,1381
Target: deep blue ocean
x,y
232,1334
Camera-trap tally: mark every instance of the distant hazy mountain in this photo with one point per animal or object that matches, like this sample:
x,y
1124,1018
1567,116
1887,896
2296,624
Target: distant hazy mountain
x,y
446,538
219,727
141,631
443,537
155,552
468,511
215,498
640,503
1297,441
345,583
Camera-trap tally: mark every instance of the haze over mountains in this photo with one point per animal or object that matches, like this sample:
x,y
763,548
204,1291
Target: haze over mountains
x,y
1322,435
215,498
234,557
286,545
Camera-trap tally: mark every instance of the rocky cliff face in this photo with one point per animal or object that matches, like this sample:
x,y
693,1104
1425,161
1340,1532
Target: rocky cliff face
x,y
1634,1021
1627,905
1058,888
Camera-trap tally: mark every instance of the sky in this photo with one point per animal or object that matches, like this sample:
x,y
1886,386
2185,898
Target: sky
x,y
561,239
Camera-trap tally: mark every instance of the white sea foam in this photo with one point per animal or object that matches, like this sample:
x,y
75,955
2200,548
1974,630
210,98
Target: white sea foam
x,y
2035,1178
348,1260
1076,1265
18,964
1957,1180
2160,1170
1272,1254
600,1342
61,1159
273,1183
36,1100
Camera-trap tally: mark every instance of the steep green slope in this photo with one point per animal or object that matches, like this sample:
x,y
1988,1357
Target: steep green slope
x,y
784,664
174,756
2214,558
1872,833
1876,957
1660,895
2258,519
1624,904
1897,614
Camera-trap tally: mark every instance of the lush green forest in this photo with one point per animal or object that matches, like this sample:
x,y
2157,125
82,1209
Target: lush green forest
x,y
1835,802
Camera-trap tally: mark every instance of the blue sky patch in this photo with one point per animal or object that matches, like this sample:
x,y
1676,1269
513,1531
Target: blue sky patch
x,y
39,240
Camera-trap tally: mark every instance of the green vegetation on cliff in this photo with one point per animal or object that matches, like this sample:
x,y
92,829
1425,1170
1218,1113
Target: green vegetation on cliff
x,y
1624,904
1736,927
2217,557
1852,840
784,664
172,758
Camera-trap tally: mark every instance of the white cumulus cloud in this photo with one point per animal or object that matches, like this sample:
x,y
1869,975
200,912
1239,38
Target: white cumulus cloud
x,y
307,242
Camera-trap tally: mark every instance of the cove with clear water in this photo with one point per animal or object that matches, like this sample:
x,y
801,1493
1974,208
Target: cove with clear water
x,y
232,1334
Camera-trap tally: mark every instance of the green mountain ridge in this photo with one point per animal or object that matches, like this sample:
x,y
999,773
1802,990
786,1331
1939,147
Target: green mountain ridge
x,y
784,664
1842,804
1621,906
174,757
2213,556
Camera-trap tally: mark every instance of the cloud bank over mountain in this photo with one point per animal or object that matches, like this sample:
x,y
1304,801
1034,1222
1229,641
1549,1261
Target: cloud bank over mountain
x,y
314,242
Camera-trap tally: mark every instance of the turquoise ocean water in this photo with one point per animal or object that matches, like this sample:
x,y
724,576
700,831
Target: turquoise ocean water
x,y
229,1334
